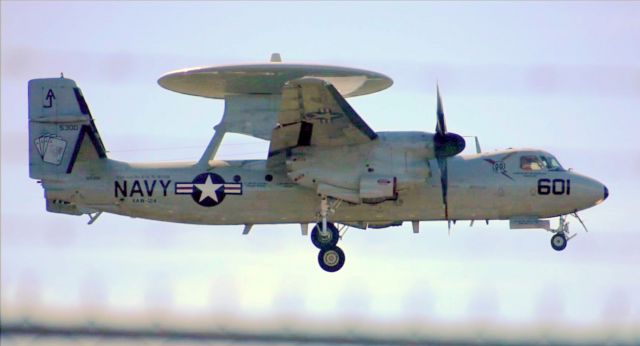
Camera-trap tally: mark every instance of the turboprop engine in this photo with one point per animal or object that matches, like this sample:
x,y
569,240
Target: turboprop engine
x,y
377,171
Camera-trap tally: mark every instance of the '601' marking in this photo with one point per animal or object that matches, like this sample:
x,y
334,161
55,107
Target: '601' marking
x,y
555,186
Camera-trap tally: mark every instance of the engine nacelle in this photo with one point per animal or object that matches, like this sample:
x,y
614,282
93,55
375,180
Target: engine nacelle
x,y
369,173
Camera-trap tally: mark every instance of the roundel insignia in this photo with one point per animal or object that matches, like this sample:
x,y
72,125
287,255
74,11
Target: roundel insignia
x,y
208,189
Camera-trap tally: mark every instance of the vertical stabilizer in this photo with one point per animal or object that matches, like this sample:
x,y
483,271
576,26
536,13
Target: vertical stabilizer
x,y
61,128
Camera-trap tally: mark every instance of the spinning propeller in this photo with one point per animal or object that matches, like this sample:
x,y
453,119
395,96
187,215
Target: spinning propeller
x,y
445,145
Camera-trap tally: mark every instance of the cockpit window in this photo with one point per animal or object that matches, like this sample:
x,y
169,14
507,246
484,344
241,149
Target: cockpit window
x,y
539,163
551,163
531,163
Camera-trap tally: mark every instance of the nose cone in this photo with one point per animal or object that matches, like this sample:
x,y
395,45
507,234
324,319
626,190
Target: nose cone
x,y
587,192
603,194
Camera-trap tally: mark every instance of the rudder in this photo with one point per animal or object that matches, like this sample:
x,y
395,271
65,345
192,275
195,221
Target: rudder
x,y
61,128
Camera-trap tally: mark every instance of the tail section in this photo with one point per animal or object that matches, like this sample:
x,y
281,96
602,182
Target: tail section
x,y
61,128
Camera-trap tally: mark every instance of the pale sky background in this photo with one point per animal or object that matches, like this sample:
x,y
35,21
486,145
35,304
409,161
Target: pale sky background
x,y
564,77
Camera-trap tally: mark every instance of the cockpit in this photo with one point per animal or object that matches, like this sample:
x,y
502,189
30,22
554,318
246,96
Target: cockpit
x,y
539,163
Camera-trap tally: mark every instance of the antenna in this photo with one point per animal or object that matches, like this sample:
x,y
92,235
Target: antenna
x,y
478,149
275,57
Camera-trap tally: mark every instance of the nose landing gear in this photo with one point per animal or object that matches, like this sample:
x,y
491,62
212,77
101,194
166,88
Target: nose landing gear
x,y
562,235
559,241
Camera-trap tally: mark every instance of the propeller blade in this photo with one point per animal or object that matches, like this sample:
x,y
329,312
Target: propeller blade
x,y
444,184
441,126
446,144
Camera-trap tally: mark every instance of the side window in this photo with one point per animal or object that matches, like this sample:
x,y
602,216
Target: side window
x,y
530,163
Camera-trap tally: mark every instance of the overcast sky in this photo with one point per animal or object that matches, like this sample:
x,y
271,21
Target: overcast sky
x,y
564,77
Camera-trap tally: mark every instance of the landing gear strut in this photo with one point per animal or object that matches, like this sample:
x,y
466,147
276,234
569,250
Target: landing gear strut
x,y
325,236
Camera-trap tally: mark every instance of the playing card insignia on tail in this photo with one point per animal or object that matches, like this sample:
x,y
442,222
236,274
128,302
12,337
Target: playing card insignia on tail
x,y
51,148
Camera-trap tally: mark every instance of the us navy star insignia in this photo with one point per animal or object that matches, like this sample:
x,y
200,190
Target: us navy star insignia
x,y
208,189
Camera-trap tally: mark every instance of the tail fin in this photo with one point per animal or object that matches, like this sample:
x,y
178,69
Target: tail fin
x,y
61,128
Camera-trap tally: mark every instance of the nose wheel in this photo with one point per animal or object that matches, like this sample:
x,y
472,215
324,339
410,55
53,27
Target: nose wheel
x,y
559,241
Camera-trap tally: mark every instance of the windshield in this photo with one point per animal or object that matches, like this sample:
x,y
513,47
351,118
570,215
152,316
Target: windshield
x,y
550,163
539,163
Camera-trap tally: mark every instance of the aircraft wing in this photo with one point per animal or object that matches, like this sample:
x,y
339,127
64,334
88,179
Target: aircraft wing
x,y
313,113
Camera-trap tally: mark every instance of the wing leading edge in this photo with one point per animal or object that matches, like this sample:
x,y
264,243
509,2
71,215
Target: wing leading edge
x,y
313,113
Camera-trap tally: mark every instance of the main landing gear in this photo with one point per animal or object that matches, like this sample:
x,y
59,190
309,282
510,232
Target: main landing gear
x,y
325,236
331,258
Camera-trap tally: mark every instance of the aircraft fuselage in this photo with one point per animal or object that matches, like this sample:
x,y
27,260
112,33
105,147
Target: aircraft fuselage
x,y
481,187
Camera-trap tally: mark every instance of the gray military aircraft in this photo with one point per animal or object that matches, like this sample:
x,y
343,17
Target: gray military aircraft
x,y
325,165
